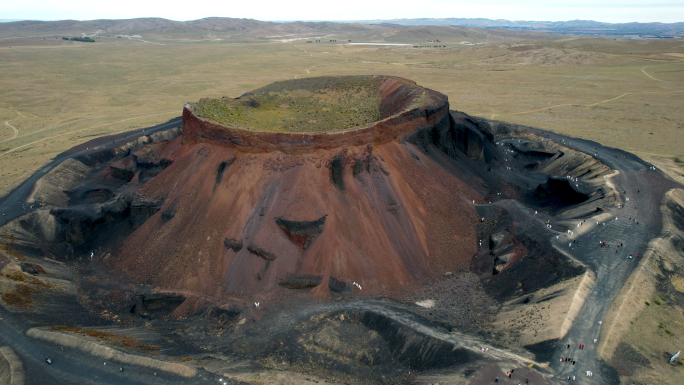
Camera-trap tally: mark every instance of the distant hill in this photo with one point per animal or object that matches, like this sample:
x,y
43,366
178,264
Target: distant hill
x,y
237,29
581,27
414,31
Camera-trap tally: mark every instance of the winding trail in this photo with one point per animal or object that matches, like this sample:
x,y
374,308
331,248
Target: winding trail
x,y
645,73
586,105
305,51
571,77
16,132
79,120
7,123
308,70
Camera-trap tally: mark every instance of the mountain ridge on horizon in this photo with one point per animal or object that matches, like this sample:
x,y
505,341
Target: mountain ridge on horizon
x,y
255,27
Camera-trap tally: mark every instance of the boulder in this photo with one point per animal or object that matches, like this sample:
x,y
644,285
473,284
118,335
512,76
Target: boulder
x,y
233,244
124,169
338,287
31,268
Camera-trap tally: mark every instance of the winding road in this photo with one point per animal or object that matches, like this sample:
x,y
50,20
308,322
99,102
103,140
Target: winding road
x,y
645,188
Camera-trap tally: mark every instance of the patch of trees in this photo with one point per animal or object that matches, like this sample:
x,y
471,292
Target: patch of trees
x,y
83,39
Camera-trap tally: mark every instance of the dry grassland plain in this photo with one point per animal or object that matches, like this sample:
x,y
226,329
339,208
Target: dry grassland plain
x,y
56,93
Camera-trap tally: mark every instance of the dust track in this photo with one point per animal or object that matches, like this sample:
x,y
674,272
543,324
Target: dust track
x,y
16,132
108,353
7,123
645,73
16,368
587,105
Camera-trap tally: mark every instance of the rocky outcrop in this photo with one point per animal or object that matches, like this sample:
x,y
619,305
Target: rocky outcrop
x,y
222,168
336,167
53,187
94,159
77,225
31,268
517,257
156,305
168,214
338,287
258,251
232,244
142,208
300,281
124,169
302,232
459,135
116,209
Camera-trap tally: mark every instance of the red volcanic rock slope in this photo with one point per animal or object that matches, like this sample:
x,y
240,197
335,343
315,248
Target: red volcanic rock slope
x,y
253,214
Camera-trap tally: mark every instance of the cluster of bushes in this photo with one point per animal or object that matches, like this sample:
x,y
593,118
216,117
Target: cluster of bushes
x,y
318,41
83,39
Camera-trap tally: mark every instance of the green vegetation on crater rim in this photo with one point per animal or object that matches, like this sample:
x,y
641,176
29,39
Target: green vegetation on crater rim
x,y
303,105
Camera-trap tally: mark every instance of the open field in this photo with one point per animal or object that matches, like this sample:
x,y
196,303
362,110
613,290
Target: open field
x,y
58,93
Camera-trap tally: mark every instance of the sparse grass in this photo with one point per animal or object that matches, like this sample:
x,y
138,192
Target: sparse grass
x,y
316,105
23,296
24,293
110,338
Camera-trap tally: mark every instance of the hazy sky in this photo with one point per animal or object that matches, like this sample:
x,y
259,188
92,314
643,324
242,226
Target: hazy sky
x,y
613,11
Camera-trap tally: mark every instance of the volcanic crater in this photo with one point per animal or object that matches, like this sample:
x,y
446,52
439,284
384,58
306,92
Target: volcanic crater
x,y
307,193
257,211
254,201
